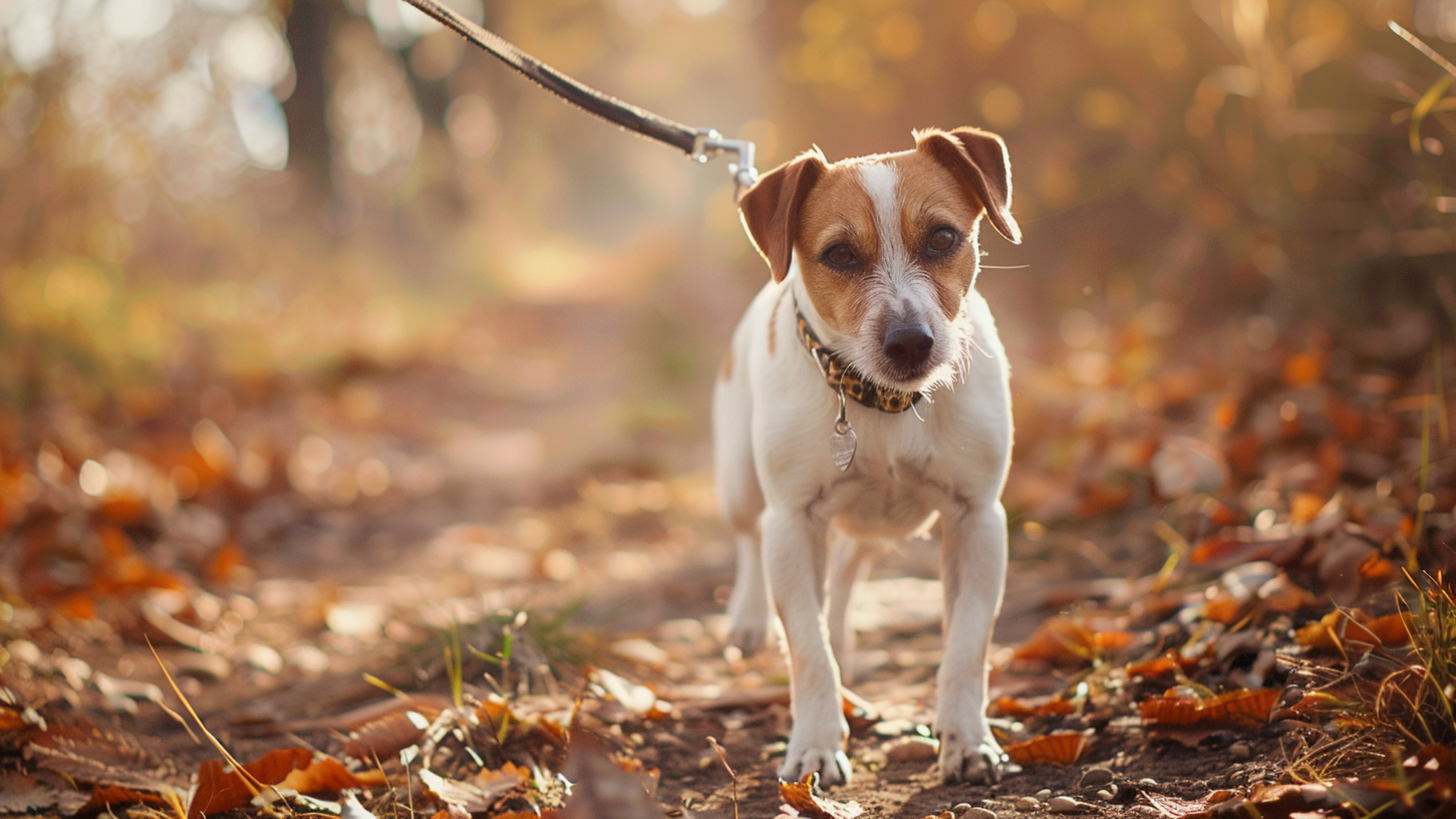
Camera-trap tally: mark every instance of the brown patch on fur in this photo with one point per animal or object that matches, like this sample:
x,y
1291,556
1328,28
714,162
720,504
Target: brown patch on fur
x,y
773,320
837,211
727,365
929,199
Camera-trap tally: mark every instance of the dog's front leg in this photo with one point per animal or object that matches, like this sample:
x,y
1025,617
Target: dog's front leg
x,y
973,569
794,549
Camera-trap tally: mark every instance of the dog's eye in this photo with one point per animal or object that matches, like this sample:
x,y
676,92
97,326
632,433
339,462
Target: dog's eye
x,y
942,241
840,256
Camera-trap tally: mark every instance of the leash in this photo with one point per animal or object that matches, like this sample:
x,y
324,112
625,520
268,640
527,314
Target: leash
x,y
700,144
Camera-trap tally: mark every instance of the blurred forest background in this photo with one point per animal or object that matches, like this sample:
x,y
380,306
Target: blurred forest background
x,y
236,191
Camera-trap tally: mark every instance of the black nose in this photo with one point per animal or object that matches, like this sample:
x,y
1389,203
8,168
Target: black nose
x,y
908,345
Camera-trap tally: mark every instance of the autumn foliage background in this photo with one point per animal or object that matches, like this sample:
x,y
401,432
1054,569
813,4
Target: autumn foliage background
x,y
313,288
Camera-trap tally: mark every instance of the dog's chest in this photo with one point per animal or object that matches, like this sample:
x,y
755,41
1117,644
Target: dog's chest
x,y
894,484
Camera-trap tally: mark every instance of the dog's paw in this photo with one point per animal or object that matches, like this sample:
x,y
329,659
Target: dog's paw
x,y
962,762
830,763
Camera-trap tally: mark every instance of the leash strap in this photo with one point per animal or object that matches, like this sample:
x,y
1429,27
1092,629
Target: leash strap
x,y
700,144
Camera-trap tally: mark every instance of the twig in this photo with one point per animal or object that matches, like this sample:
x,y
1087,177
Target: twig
x,y
246,776
1423,48
733,777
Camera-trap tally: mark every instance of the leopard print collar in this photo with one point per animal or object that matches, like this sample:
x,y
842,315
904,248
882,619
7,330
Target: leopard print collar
x,y
842,377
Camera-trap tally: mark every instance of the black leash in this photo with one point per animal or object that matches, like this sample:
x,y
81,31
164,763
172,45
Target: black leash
x,y
700,144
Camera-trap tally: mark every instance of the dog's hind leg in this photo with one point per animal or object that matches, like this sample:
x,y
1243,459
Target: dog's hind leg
x,y
850,561
741,501
749,613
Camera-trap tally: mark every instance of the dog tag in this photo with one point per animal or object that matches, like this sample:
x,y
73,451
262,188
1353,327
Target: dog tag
x,y
841,446
842,443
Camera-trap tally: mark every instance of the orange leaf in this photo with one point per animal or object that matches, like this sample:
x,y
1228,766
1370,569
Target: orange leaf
x,y
1165,663
124,509
1236,706
1304,369
227,559
323,775
1170,710
1240,706
1304,506
105,796
1061,748
1223,608
1012,707
1105,641
220,788
1376,567
1392,629
800,796
1021,709
76,606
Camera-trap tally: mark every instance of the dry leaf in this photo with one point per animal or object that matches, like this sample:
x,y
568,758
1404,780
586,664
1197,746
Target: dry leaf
x,y
1235,707
603,790
221,788
1064,639
800,796
1339,631
1061,748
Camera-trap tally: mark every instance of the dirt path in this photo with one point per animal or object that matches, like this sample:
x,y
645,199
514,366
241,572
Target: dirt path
x,y
585,588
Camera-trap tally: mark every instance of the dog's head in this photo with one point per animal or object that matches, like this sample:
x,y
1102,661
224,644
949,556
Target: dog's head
x,y
887,245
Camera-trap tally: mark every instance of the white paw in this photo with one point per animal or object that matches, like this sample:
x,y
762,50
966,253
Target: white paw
x,y
830,763
965,759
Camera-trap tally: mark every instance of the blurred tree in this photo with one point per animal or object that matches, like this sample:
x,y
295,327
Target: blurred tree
x,y
310,24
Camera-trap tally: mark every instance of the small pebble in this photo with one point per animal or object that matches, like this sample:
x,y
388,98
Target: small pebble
x,y
911,749
1240,750
1044,794
1066,804
1148,782
979,813
1096,777
1026,803
1106,795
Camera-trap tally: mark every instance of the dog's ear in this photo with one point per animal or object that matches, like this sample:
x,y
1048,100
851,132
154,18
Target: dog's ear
x,y
770,208
978,161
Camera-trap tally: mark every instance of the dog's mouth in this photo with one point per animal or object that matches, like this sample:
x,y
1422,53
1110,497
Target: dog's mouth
x,y
912,377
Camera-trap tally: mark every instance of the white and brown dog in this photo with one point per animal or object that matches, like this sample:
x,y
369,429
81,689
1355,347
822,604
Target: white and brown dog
x,y
866,390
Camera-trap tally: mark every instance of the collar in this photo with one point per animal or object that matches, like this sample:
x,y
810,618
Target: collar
x,y
842,378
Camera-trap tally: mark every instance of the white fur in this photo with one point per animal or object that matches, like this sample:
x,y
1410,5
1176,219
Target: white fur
x,y
780,490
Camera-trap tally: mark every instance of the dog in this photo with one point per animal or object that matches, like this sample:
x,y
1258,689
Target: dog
x,y
866,393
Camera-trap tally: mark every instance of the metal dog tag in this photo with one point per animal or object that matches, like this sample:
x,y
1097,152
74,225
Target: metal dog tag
x,y
842,443
841,446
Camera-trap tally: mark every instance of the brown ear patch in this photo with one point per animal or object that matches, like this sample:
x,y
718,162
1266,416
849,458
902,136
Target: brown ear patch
x,y
770,209
978,161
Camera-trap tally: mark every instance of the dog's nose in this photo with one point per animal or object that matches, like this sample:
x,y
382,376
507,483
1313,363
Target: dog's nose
x,y
908,345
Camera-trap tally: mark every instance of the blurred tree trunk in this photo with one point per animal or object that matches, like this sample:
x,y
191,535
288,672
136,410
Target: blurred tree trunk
x,y
310,23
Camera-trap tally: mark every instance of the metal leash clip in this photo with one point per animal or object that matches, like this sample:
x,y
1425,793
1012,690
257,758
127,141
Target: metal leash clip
x,y
709,143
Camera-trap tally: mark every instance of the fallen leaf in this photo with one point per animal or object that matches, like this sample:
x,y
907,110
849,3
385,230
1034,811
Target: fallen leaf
x,y
1065,639
477,795
603,790
221,788
1061,748
800,796
1236,707
1341,631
